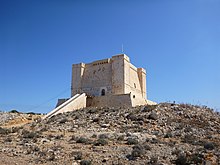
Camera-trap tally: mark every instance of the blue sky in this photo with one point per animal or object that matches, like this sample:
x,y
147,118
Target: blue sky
x,y
178,42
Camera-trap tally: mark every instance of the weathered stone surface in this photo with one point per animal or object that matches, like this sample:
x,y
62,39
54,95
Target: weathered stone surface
x,y
175,133
111,82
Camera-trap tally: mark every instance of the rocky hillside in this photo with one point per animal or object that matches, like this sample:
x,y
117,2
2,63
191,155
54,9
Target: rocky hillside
x,y
179,134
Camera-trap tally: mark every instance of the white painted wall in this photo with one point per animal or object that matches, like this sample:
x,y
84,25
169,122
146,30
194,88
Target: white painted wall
x,y
76,102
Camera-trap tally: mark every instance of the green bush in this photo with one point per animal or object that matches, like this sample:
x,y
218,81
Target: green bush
x,y
190,139
57,137
146,147
64,120
33,113
154,160
82,140
8,139
153,116
196,159
131,117
96,120
132,141
148,108
168,135
4,131
103,136
77,155
121,138
137,151
94,136
209,145
28,134
85,162
181,160
100,142
14,111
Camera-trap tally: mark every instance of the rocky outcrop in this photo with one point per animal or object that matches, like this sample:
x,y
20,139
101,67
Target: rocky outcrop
x,y
153,134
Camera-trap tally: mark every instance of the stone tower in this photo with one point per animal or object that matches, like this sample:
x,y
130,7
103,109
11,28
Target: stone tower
x,y
112,76
112,82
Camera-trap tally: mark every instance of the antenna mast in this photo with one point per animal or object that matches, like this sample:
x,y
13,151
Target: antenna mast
x,y
122,48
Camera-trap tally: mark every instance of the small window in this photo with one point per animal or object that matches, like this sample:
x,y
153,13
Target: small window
x,y
133,96
103,92
134,85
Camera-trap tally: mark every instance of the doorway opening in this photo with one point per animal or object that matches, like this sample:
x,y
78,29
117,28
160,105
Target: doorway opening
x,y
103,92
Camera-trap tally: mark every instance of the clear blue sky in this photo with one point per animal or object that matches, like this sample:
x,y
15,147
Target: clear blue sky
x,y
178,42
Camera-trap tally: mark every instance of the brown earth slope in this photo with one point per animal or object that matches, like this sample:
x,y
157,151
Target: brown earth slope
x,y
162,134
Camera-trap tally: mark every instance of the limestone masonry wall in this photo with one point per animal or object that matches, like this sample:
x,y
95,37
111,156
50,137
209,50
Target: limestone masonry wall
x,y
123,100
112,76
112,82
76,102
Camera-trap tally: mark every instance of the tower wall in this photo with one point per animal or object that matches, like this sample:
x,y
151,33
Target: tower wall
x,y
134,85
127,74
97,78
77,73
142,78
109,77
111,82
120,63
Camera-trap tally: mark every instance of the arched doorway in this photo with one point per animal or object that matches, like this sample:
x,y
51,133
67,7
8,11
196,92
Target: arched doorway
x,y
103,92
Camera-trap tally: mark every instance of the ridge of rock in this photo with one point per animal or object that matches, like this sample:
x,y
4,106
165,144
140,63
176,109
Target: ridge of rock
x,y
157,134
